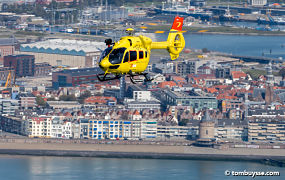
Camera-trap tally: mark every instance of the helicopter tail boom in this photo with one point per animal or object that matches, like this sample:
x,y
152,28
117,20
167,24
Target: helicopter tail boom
x,y
175,41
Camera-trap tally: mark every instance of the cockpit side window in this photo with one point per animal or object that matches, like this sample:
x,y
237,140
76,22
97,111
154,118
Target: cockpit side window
x,y
116,56
130,42
126,59
105,53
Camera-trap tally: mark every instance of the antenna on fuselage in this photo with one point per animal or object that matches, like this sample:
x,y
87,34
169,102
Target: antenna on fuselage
x,y
130,31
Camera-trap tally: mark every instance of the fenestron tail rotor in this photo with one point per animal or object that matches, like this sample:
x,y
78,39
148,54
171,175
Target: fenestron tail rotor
x,y
175,41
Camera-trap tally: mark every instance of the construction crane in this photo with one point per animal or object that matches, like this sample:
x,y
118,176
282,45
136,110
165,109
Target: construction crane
x,y
9,80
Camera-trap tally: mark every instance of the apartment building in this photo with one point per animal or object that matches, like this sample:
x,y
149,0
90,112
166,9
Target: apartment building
x,y
40,127
174,132
197,102
117,129
266,129
14,125
8,107
27,100
231,130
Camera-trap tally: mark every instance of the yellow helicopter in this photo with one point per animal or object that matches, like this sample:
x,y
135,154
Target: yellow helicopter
x,y
130,55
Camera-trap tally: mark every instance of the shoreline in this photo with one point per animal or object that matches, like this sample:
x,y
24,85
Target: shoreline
x,y
140,155
238,34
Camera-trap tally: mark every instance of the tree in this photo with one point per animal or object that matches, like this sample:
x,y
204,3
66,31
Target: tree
x,y
205,50
40,101
83,96
67,97
51,99
183,122
282,72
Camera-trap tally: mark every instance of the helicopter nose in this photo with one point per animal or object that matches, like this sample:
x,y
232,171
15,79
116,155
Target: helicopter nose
x,y
104,63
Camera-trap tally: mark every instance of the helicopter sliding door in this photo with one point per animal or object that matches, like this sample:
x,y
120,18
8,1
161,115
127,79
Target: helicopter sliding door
x,y
140,54
135,61
133,56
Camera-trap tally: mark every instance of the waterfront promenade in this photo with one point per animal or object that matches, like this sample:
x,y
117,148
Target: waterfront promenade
x,y
133,150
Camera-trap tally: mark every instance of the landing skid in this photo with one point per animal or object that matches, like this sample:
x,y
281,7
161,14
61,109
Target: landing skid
x,y
107,77
134,81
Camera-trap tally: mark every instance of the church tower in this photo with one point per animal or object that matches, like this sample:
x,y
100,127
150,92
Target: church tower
x,y
269,75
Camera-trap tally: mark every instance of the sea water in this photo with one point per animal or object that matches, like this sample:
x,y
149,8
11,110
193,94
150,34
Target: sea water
x,y
77,168
245,45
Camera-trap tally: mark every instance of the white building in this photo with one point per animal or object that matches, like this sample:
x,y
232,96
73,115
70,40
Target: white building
x,y
56,128
142,95
257,2
170,132
65,52
75,129
158,78
141,105
148,129
40,127
67,129
136,116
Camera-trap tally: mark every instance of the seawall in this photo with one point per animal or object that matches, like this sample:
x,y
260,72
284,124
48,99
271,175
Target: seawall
x,y
149,151
140,155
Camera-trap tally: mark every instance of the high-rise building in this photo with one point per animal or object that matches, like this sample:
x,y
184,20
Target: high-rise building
x,y
24,65
122,87
74,77
7,47
185,68
223,72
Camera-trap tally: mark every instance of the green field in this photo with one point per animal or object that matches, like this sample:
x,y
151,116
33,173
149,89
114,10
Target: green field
x,y
255,73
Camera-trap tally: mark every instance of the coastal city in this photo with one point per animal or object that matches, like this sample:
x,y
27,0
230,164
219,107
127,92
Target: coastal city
x,y
213,99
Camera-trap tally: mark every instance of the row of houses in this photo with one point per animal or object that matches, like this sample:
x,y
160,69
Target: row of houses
x,y
94,128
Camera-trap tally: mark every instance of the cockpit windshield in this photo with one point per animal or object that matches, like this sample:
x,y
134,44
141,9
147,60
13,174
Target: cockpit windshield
x,y
117,55
105,53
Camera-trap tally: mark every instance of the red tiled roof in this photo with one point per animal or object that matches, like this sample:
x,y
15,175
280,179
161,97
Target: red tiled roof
x,y
201,76
136,112
223,96
167,83
211,90
177,78
238,74
99,100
